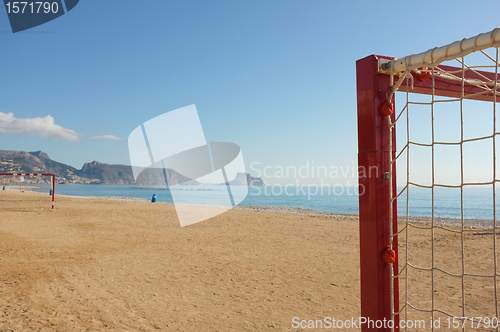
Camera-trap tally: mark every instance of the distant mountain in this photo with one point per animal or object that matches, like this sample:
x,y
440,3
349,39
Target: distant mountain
x,y
245,178
96,172
93,172
122,174
33,162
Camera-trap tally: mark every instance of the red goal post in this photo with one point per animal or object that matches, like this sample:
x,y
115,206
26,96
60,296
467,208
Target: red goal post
x,y
52,181
378,78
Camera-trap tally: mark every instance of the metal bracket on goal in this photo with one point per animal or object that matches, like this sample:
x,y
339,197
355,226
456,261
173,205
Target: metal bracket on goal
x,y
384,67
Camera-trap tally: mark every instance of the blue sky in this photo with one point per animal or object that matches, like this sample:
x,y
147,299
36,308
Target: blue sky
x,y
275,77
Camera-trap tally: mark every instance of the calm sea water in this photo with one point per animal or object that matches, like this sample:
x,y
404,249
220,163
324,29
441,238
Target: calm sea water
x,y
478,201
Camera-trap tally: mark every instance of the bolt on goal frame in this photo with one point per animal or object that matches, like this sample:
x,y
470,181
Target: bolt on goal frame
x,y
378,78
52,181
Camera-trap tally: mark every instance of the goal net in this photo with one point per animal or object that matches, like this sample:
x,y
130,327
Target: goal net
x,y
19,182
429,233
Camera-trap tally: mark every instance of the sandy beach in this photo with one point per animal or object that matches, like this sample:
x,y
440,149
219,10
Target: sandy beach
x,y
99,265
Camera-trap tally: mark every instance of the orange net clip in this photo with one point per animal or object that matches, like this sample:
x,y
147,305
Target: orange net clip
x,y
389,255
424,74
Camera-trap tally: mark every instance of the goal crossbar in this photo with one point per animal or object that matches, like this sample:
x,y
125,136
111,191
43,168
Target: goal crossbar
x,y
437,55
52,181
445,86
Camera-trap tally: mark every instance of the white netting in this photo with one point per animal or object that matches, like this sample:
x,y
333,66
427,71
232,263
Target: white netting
x,y
447,173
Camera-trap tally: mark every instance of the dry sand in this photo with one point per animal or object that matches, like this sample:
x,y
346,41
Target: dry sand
x,y
99,265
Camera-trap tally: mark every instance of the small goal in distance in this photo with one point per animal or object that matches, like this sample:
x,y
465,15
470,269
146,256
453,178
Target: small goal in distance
x,y
430,269
52,181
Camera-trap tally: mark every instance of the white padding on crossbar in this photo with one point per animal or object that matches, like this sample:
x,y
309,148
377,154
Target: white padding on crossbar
x,y
435,56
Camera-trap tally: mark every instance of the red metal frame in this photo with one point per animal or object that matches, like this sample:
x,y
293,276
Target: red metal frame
x,y
447,88
373,153
38,174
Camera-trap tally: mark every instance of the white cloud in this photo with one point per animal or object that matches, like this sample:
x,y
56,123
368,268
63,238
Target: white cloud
x,y
110,137
44,127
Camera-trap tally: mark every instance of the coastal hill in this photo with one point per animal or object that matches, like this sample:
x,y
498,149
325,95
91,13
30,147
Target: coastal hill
x,y
241,178
96,172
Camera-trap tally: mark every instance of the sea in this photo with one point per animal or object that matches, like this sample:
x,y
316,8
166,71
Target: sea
x,y
476,202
